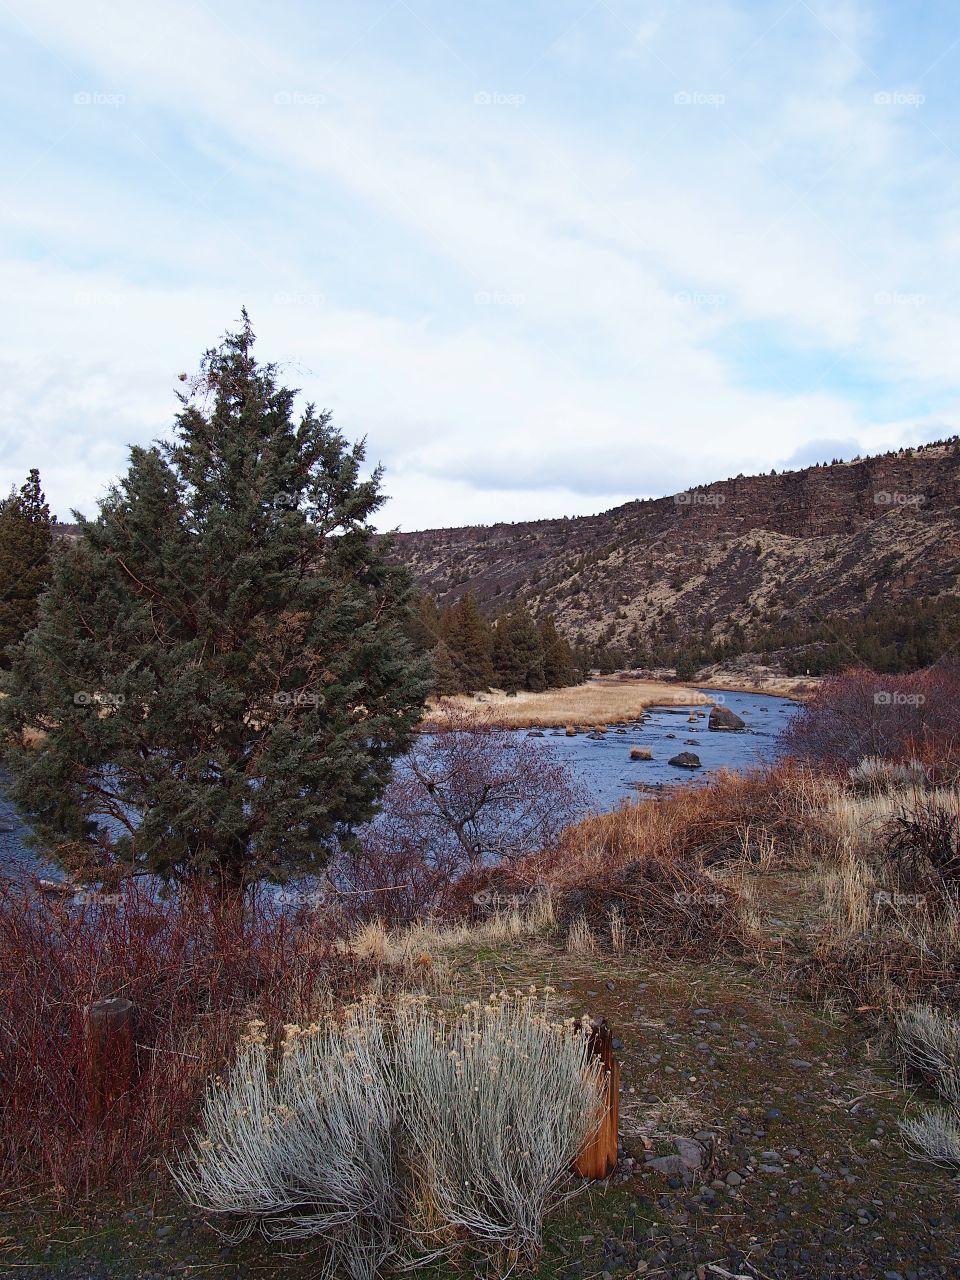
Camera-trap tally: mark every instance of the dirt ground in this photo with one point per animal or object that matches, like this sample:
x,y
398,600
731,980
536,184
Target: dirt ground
x,y
803,1174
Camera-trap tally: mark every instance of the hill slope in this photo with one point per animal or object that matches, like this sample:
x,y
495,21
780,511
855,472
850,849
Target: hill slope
x,y
722,562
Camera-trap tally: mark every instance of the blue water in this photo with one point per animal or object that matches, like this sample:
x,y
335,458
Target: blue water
x,y
603,766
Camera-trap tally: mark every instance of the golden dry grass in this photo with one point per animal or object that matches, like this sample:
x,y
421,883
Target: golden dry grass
x,y
593,703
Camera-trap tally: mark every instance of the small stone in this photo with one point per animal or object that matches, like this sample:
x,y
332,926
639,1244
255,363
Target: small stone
x,y
733,1179
800,1064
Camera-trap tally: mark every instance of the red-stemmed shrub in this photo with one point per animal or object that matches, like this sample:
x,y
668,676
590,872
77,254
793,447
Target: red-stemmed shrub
x,y
195,969
860,714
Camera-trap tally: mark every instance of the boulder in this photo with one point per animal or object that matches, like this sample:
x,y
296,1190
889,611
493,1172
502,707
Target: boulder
x,y
685,760
723,720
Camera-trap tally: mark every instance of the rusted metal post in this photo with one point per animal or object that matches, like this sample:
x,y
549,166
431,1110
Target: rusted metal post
x,y
598,1159
110,1054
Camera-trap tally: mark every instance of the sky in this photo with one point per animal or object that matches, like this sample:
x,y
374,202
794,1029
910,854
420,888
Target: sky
x,y
547,256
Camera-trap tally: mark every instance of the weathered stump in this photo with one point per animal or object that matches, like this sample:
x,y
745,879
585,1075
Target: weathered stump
x,y
598,1159
110,1055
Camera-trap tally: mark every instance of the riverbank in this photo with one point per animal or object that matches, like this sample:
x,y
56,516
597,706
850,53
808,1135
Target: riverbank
x,y
607,700
601,701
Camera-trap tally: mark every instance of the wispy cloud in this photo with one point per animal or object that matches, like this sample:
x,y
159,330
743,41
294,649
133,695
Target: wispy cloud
x,y
529,268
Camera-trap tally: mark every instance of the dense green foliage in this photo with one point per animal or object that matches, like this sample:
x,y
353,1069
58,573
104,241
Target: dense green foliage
x,y
888,638
513,653
220,670
26,540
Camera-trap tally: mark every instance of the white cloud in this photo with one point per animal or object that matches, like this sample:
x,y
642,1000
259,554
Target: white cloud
x,y
535,314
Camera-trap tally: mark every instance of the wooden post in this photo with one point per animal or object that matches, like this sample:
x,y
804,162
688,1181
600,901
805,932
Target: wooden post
x,y
110,1054
598,1159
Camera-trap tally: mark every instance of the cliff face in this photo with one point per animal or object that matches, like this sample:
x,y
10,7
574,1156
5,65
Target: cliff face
x,y
796,546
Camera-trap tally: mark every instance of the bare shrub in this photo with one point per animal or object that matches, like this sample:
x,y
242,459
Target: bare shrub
x,y
471,795
896,717
195,970
393,1134
923,840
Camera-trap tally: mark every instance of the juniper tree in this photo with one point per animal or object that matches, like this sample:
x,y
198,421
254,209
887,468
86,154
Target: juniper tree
x,y
26,540
219,670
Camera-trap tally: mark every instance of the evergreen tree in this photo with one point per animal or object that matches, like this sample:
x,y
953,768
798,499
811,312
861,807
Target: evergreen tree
x,y
219,668
446,678
518,652
26,542
467,634
558,666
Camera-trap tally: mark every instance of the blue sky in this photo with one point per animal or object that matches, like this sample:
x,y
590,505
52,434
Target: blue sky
x,y
547,257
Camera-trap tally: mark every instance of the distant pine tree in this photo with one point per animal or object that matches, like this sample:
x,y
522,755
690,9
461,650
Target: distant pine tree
x,y
446,678
469,640
26,542
518,652
558,665
219,668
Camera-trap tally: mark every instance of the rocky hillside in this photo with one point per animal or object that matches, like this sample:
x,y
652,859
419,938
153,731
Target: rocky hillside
x,y
724,560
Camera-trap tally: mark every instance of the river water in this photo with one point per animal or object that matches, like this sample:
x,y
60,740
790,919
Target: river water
x,y
601,764
604,766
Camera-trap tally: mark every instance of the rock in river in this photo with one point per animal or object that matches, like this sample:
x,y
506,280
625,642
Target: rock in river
x,y
722,719
685,760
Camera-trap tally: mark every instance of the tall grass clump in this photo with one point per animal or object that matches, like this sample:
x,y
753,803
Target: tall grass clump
x,y
889,927
929,1044
394,1134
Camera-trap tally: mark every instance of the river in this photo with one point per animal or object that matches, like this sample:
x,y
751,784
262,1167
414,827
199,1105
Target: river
x,y
601,763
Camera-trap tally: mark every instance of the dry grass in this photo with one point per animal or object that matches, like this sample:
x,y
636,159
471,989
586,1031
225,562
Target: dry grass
x,y
596,702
